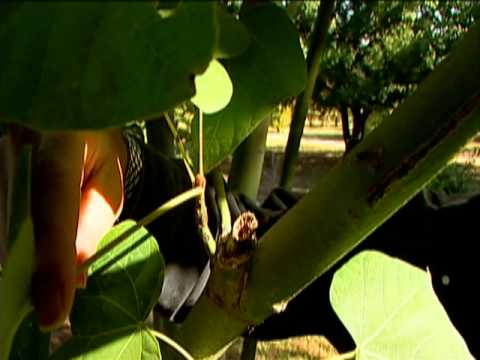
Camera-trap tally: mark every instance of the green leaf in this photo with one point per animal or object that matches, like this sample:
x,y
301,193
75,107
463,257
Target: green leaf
x,y
390,309
82,65
16,276
213,88
233,36
108,316
271,69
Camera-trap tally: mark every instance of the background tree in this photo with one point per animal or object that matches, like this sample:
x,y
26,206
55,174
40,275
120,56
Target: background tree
x,y
377,52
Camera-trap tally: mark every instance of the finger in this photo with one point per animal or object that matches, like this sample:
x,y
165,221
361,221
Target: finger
x,y
97,215
56,178
102,197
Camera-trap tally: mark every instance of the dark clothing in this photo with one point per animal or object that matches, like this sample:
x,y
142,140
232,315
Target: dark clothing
x,y
162,179
176,233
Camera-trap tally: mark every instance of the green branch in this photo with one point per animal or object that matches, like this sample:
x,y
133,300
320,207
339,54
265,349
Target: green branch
x,y
322,23
225,216
200,143
247,163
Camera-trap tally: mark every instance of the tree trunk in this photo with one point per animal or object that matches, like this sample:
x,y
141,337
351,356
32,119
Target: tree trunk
x,y
344,207
345,125
359,116
322,23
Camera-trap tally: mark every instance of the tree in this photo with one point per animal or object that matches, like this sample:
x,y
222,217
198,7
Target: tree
x,y
378,52
46,82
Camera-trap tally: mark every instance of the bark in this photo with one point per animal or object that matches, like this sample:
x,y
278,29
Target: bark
x,y
359,117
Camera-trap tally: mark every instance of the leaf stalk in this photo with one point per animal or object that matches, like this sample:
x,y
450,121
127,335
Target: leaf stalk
x,y
172,344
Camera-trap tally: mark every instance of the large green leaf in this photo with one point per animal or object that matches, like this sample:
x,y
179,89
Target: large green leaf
x,y
390,309
108,316
100,64
269,71
16,276
233,37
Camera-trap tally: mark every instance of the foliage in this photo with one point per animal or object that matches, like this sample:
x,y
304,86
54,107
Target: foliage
x,y
259,82
455,179
86,80
396,314
214,89
379,51
108,316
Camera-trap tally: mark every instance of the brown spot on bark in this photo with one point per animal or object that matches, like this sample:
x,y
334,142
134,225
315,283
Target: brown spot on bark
x,y
377,191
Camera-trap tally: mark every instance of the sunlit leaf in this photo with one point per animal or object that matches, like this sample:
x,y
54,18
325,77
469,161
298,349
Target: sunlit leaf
x,y
269,71
390,309
108,316
213,88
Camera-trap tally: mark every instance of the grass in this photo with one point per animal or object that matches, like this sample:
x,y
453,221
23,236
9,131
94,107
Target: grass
x,y
316,139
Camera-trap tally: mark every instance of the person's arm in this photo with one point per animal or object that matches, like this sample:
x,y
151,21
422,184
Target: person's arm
x,y
77,195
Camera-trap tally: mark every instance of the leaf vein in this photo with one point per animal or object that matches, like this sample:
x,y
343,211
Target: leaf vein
x,y
391,316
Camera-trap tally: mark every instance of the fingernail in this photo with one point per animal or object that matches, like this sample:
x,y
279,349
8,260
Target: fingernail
x,y
47,299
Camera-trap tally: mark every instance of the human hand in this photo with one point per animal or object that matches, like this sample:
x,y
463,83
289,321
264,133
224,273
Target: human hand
x,y
77,194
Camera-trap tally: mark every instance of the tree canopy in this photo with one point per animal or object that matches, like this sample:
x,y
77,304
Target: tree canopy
x,y
377,52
